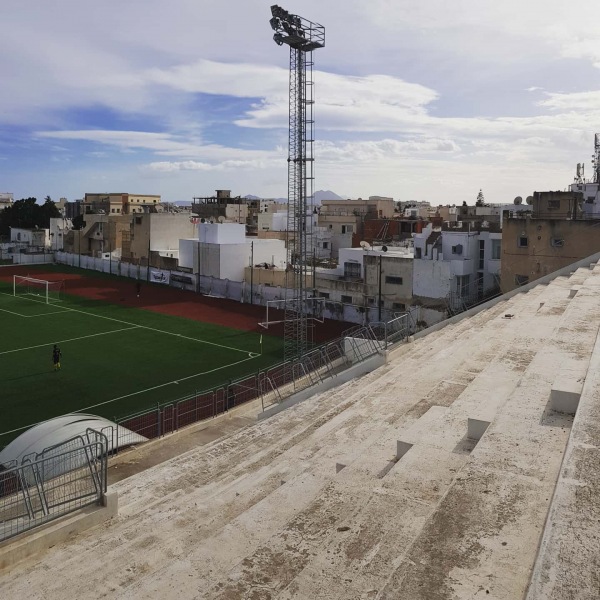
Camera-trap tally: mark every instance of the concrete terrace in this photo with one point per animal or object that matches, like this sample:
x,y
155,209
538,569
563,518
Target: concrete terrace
x,y
445,474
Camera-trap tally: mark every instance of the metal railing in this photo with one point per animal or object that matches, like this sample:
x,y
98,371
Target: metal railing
x,y
57,481
270,386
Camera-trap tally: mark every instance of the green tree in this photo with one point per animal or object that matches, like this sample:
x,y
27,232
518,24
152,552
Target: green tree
x,y
27,214
78,222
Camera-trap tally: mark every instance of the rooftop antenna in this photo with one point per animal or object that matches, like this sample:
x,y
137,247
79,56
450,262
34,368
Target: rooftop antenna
x,y
302,36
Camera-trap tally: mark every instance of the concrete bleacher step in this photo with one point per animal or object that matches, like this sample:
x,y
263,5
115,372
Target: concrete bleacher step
x,y
371,555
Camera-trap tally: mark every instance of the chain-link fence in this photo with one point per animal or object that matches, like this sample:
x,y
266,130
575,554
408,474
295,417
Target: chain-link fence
x,y
59,480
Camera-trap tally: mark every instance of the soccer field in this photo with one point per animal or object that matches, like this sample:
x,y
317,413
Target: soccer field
x,y
116,359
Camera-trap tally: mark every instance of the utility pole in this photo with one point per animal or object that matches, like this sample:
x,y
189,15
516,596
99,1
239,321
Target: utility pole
x,y
251,272
379,300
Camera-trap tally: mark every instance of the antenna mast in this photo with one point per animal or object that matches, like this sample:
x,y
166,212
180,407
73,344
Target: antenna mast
x,y
302,36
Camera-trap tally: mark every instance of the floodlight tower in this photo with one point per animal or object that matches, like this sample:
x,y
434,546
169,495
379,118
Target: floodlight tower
x,y
302,36
596,158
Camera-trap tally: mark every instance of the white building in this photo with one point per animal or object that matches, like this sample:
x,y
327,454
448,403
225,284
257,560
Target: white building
x,y
591,198
38,238
6,200
58,228
223,251
454,268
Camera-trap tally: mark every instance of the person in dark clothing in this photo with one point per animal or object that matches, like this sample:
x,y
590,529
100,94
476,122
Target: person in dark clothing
x,y
56,354
138,287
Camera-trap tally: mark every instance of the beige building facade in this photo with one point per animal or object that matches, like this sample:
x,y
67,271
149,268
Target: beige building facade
x,y
556,234
121,203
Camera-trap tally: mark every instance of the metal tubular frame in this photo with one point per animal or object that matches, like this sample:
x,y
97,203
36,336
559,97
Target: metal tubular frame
x,y
302,36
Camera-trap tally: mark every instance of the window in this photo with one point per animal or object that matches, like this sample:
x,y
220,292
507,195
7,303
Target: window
x,y
138,220
496,249
325,245
521,279
346,299
398,306
553,204
371,301
352,269
324,295
457,249
523,241
394,280
481,254
347,228
557,242
417,252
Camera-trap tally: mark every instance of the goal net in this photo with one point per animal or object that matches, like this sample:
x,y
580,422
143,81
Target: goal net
x,y
313,308
46,291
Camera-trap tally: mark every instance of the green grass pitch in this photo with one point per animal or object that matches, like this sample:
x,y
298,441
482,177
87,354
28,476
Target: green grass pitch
x,y
116,360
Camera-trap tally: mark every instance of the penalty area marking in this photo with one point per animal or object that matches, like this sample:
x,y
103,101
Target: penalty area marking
x,y
54,312
89,314
83,337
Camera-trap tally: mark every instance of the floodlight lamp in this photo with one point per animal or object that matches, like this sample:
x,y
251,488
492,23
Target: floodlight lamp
x,y
278,37
275,23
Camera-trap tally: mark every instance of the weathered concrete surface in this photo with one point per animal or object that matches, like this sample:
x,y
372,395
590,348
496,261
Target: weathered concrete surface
x,y
32,543
568,566
268,512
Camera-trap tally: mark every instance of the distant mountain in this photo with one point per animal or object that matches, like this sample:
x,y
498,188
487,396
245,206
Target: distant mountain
x,y
321,195
251,197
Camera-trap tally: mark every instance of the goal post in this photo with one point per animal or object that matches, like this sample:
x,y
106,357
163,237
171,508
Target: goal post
x,y
314,308
41,289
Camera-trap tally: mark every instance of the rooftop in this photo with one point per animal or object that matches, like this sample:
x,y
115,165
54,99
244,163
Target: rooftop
x,y
439,475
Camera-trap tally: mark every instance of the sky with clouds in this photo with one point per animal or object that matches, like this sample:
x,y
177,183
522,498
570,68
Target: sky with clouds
x,y
427,101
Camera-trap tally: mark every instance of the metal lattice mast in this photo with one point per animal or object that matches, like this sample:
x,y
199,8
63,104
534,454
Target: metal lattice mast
x,y
303,37
596,158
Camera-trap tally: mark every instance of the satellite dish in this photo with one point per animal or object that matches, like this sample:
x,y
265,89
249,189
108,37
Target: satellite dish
x,y
529,200
365,245
384,248
518,200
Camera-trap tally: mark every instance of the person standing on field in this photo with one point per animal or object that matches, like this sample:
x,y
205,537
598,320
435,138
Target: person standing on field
x,y
138,287
56,354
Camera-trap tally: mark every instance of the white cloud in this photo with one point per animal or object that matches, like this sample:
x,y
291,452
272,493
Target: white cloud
x,y
407,93
583,101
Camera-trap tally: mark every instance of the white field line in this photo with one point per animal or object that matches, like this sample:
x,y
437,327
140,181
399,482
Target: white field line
x,y
175,381
83,312
83,337
54,312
